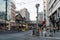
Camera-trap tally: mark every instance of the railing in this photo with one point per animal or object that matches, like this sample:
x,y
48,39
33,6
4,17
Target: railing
x,y
56,3
51,3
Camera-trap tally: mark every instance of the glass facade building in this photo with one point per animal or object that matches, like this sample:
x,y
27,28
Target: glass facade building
x,y
4,17
3,9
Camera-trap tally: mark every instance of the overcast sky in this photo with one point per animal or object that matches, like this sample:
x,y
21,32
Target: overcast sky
x,y
30,5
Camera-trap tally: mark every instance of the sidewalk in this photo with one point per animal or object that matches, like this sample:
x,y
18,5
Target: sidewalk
x,y
7,32
10,32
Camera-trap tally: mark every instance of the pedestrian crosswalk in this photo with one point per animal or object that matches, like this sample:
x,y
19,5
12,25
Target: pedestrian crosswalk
x,y
51,37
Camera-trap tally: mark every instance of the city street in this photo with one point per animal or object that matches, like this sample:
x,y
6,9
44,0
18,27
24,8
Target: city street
x,y
27,35
29,19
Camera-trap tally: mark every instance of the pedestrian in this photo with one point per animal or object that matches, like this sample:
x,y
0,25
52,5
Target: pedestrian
x,y
38,31
51,32
34,30
44,32
54,29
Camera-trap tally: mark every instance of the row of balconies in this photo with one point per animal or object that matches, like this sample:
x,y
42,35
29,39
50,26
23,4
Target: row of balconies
x,y
13,5
51,9
51,3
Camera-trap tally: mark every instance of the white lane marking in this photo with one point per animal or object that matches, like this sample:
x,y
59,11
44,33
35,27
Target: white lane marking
x,y
51,37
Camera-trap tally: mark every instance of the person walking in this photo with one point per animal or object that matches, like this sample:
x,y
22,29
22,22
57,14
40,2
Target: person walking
x,y
44,32
34,30
54,29
38,31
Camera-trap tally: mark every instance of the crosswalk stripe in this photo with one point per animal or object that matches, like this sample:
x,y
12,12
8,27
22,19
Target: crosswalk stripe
x,y
51,37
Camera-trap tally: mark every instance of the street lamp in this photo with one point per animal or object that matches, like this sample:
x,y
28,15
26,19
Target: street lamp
x,y
37,6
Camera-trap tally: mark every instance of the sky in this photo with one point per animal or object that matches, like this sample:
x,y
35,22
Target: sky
x,y
30,5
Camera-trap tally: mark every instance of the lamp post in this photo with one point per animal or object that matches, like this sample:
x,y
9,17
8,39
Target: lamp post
x,y
37,6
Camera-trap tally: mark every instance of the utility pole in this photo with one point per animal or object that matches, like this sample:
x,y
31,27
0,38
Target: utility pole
x,y
37,6
5,12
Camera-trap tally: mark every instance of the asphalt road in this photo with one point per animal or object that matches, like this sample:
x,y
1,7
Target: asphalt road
x,y
25,36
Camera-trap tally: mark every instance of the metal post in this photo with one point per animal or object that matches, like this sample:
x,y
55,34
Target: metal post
x,y
37,6
6,14
37,18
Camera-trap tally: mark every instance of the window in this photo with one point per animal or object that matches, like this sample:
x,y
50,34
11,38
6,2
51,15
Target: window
x,y
55,1
58,14
49,1
2,9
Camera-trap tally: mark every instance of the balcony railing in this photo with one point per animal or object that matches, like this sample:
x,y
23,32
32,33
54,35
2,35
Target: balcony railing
x,y
56,3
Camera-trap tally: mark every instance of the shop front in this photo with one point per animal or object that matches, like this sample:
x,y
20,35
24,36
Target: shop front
x,y
3,26
23,27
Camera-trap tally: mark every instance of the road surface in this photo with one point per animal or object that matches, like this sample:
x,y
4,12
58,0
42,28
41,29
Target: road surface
x,y
25,36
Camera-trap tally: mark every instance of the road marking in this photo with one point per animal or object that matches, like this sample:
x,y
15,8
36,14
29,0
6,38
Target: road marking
x,y
51,37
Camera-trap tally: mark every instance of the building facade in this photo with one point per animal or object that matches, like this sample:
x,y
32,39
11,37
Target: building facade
x,y
25,14
6,13
18,20
46,13
40,17
54,12
13,12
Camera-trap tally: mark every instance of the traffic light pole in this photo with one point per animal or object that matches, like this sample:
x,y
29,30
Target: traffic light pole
x,y
37,18
37,6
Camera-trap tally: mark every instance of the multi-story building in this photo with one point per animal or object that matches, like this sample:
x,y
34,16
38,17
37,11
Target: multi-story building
x,y
25,14
53,10
12,20
20,21
40,17
13,11
6,11
46,12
